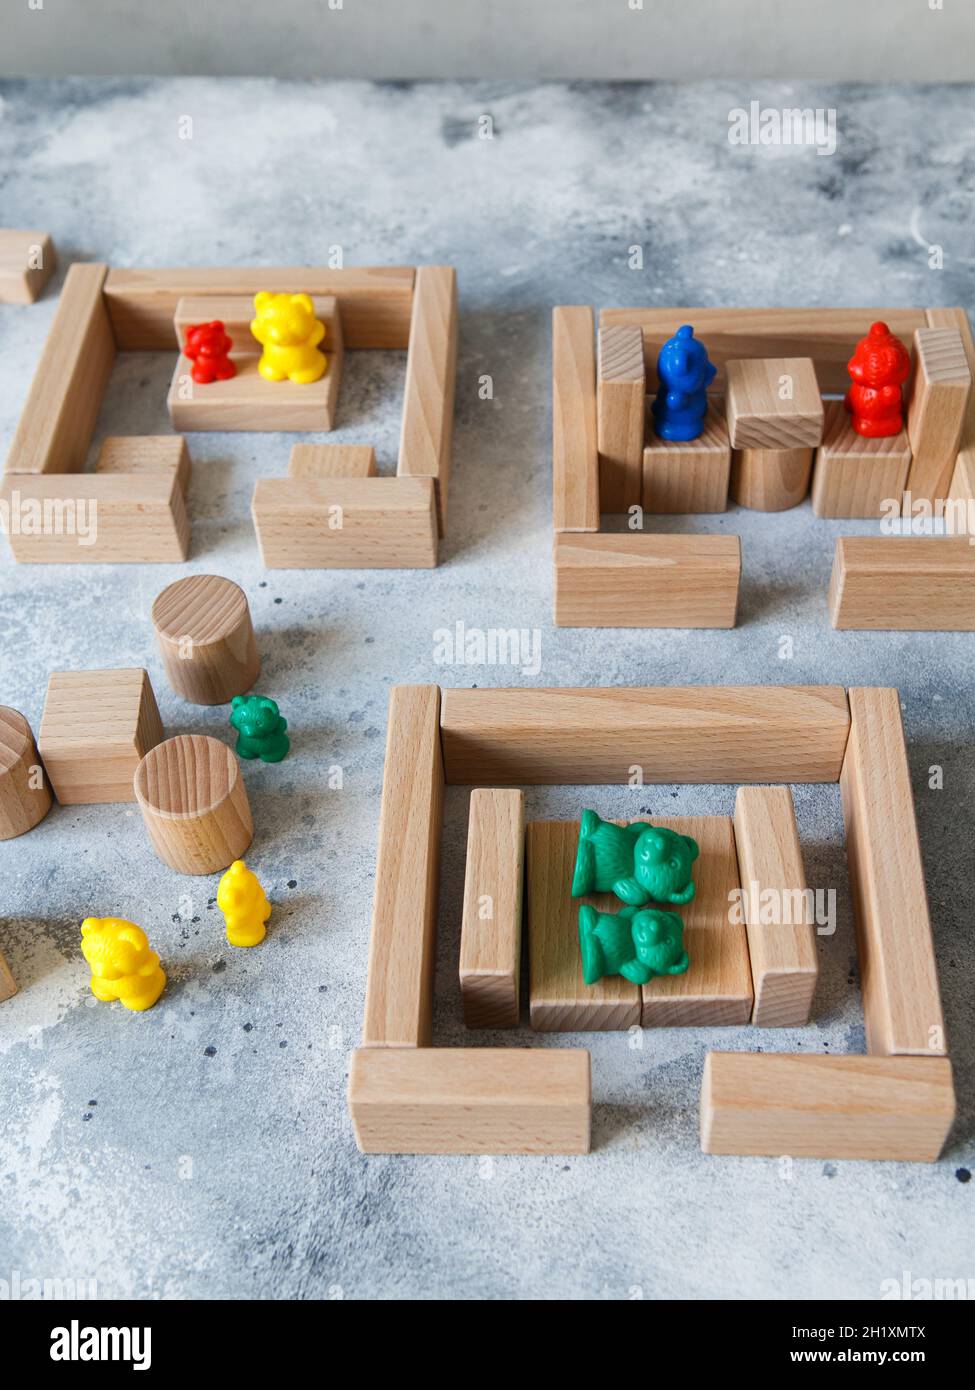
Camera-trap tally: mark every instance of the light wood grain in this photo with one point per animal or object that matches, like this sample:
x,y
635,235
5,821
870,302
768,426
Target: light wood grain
x,y
490,934
25,796
936,410
96,518
194,804
346,523
206,638
332,461
903,584
95,729
431,373
962,488
27,262
773,403
770,480
853,476
575,453
689,476
620,409
8,985
148,453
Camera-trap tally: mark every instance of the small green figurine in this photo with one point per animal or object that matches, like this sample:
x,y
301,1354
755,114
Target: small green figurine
x,y
260,728
641,863
636,943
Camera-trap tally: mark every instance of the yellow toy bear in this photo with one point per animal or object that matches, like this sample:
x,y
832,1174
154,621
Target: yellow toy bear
x,y
123,964
244,905
287,329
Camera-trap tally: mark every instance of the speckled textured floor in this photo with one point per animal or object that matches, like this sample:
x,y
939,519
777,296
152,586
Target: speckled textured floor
x,y
204,1148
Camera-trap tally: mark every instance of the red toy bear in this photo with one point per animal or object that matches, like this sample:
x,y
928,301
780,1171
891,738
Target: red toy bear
x,y
207,344
879,367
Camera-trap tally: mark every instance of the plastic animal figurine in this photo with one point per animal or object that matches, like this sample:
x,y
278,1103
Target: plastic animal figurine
x,y
207,345
123,964
286,327
260,728
636,943
685,373
879,367
244,905
641,863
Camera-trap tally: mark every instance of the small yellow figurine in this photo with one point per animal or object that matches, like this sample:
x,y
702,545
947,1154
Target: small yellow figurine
x,y
286,327
123,964
243,903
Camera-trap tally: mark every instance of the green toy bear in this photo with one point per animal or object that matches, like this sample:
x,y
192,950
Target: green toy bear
x,y
641,863
260,728
635,943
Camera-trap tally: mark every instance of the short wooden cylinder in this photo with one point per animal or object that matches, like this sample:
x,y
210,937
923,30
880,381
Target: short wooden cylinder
x,y
770,480
25,797
194,804
206,638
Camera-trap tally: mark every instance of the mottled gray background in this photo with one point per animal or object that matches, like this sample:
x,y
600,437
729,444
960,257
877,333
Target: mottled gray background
x,y
204,1149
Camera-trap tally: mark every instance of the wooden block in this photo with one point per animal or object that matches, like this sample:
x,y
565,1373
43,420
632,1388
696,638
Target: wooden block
x,y
575,454
716,989
936,410
853,476
773,1104
56,424
25,797
27,262
431,374
560,1001
96,728
779,917
961,494
638,579
620,408
95,518
402,946
689,476
236,313
690,733
898,973
332,461
471,1100
148,453
490,937
903,584
8,986
206,638
346,523
774,403
770,480
194,804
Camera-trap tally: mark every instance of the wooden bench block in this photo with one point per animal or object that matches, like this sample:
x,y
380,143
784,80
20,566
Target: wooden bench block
x,y
247,402
773,403
236,313
772,1104
781,941
638,579
691,476
620,409
27,262
346,523
853,475
431,373
25,797
96,518
332,461
575,451
903,584
149,453
470,1100
96,728
194,804
490,938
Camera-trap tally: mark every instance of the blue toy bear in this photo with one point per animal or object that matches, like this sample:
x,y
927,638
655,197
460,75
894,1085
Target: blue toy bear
x,y
685,373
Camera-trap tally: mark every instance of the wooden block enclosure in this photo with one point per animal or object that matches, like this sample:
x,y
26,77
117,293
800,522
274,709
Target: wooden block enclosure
x,y
406,1096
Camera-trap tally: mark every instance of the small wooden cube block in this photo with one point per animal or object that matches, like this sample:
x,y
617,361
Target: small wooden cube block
x,y
689,476
332,461
96,728
936,409
8,986
853,476
96,518
27,262
346,523
637,579
774,403
148,453
490,939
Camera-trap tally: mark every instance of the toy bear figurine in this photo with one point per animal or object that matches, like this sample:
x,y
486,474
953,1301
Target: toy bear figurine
x,y
123,965
244,905
637,943
685,373
286,327
641,863
260,728
879,367
207,345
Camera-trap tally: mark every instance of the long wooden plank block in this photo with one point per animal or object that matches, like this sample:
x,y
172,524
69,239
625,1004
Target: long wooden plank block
x,y
903,584
768,1103
962,490
471,1100
95,518
621,395
346,523
936,411
490,933
898,972
690,733
575,455
399,987
431,374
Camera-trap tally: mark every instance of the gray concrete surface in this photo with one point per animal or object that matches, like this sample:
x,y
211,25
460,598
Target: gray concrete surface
x,y
204,1149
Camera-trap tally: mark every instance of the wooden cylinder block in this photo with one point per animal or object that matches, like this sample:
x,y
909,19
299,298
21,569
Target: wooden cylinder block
x,y
770,480
194,803
203,626
25,797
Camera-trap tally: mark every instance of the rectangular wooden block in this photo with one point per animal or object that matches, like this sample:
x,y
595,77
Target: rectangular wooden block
x,y
236,313
772,1104
431,374
774,403
961,494
147,453
689,733
693,476
903,584
779,915
346,523
936,410
96,728
27,262
490,937
471,1100
402,946
638,579
620,408
575,453
95,518
332,461
8,986
898,972
854,476
560,1001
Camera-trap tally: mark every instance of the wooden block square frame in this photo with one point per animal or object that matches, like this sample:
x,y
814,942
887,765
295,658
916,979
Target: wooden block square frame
x,y
408,1097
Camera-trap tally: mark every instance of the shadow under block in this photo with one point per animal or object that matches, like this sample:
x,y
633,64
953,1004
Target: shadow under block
x,y
903,584
149,453
206,638
853,476
25,797
692,476
27,262
490,938
621,393
96,728
346,523
639,579
936,410
469,1100
399,986
782,950
560,1002
770,1104
194,804
706,733
898,972
332,461
248,402
575,455
96,518
8,986
431,374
